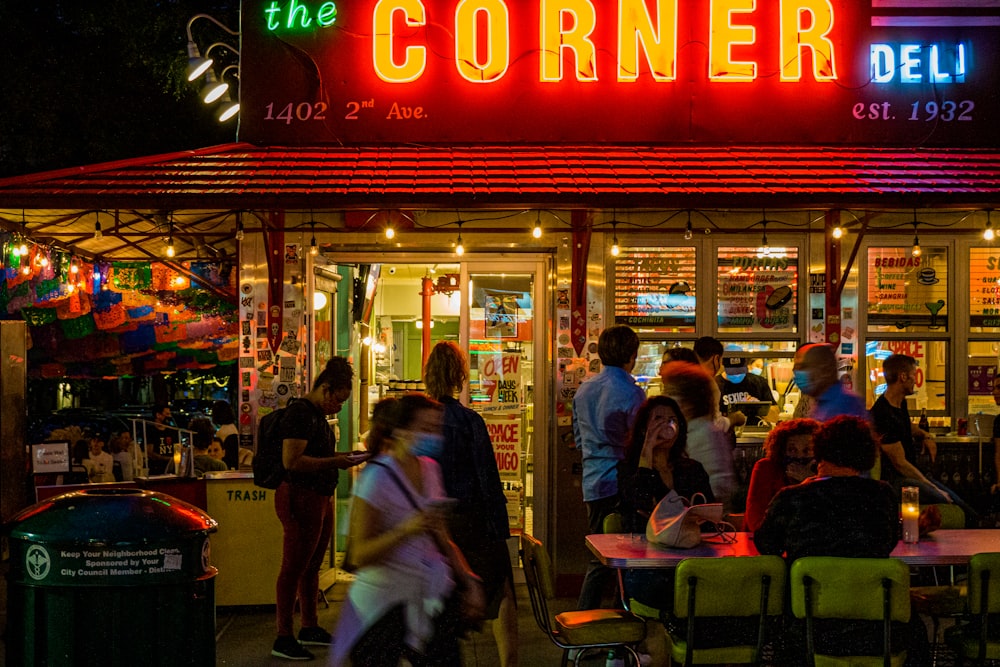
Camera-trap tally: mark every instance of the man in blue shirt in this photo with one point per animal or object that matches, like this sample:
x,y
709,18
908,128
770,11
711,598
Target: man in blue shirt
x,y
815,373
604,409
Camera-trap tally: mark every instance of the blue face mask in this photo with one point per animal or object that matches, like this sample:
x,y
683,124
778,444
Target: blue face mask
x,y
757,371
427,444
802,379
735,378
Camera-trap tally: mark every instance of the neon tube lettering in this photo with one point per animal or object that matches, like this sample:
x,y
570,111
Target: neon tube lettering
x,y
723,35
796,36
658,43
557,37
383,59
467,40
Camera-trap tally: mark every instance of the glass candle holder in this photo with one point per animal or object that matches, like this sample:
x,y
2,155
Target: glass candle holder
x,y
911,514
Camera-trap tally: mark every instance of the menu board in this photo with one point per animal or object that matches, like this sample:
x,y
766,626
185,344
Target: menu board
x,y
655,287
757,291
984,287
907,292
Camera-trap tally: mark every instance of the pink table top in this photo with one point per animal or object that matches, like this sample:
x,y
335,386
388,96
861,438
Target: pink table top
x,y
632,551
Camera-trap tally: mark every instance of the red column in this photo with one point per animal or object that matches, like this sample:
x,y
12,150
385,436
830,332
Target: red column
x,y
426,291
832,253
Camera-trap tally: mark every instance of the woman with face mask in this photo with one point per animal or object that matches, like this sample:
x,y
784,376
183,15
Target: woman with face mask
x,y
403,601
788,460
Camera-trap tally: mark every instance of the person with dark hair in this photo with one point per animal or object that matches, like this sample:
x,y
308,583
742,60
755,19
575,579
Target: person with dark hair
x,y
302,503
901,440
479,523
121,445
404,599
815,373
679,354
709,352
604,409
707,443
837,512
788,459
160,440
840,513
657,462
225,422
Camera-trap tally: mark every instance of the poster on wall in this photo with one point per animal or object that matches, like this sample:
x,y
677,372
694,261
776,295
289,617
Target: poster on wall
x,y
907,292
506,435
500,312
757,290
984,288
655,287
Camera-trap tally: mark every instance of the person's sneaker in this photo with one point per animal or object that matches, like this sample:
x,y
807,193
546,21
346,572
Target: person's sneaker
x,y
289,649
314,637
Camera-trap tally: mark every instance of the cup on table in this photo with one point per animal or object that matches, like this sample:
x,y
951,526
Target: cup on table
x,y
910,508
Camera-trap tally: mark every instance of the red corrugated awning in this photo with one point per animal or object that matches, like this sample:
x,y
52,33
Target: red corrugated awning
x,y
242,176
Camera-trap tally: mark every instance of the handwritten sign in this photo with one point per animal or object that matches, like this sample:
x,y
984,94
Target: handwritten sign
x,y
757,290
907,292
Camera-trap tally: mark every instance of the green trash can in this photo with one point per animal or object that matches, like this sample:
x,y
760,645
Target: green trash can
x,y
109,577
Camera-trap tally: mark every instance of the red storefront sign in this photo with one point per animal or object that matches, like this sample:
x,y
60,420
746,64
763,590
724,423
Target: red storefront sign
x,y
879,72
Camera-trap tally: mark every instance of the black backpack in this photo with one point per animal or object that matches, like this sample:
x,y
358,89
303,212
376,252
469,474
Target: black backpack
x,y
268,470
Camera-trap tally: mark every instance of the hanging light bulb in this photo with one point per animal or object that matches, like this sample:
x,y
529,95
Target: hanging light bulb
x,y
74,268
615,250
765,249
97,227
170,246
688,234
313,247
23,248
988,233
390,231
239,226
459,246
838,232
43,259
916,251
537,229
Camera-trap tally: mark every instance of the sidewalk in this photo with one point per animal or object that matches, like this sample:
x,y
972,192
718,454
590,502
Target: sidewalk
x,y
244,634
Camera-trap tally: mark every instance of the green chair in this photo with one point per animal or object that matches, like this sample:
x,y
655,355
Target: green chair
x,y
940,601
585,630
613,524
860,589
974,639
706,589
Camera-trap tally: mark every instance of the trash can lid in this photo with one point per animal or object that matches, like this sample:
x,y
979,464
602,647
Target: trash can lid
x,y
109,516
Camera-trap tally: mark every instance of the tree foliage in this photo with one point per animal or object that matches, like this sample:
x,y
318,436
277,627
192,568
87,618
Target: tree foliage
x,y
87,81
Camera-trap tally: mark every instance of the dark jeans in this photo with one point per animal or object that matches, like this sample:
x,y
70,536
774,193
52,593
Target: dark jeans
x,y
307,520
598,577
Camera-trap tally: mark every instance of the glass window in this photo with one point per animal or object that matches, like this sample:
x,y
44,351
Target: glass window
x,y
757,290
655,288
932,377
907,293
984,289
984,356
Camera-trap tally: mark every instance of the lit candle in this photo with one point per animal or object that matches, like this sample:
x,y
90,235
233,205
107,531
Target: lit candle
x,y
911,514
177,458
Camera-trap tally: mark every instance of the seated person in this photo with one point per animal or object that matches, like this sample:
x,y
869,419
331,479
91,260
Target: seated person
x,y
840,513
99,463
215,449
788,460
656,463
121,445
203,462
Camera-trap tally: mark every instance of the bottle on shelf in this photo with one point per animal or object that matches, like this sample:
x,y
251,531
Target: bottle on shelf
x,y
923,423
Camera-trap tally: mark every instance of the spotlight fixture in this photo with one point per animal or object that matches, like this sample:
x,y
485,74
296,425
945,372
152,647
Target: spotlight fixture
x,y
916,251
313,248
459,246
988,233
688,234
390,231
214,89
536,231
615,250
97,227
239,226
765,249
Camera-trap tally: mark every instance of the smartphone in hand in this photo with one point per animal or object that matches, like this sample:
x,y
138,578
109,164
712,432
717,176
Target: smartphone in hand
x,y
359,456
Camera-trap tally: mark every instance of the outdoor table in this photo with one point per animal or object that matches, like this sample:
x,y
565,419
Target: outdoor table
x,y
632,551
